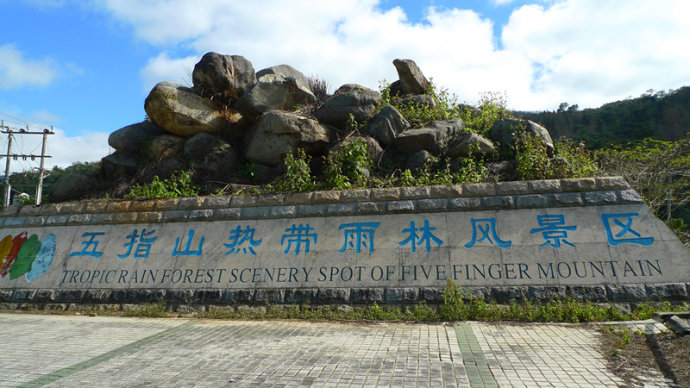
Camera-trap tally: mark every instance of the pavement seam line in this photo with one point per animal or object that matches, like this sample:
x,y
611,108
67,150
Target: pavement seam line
x,y
80,366
473,358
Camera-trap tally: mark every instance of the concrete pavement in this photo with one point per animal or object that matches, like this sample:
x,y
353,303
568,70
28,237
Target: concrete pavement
x,y
69,351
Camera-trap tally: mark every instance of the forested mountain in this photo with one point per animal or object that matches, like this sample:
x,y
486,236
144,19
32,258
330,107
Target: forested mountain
x,y
661,115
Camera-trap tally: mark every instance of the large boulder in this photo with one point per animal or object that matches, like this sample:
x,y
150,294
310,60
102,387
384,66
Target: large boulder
x,y
228,76
348,99
119,164
286,71
278,133
70,187
209,153
418,160
165,146
387,124
133,138
470,144
433,138
504,131
274,92
180,111
412,80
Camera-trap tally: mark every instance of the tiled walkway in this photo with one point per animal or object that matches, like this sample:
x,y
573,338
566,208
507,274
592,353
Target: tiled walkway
x,y
68,351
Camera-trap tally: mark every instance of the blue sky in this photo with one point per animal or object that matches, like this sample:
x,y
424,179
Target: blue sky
x,y
86,66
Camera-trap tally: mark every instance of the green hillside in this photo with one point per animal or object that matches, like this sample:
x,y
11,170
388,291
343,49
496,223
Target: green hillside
x,y
660,115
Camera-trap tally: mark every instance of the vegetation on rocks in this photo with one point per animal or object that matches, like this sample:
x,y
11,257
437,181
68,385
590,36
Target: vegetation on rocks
x,y
287,133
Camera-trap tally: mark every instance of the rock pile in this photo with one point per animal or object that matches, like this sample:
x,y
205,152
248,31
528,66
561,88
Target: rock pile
x,y
233,115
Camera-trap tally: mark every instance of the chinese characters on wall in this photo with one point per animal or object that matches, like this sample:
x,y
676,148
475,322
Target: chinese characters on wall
x,y
360,237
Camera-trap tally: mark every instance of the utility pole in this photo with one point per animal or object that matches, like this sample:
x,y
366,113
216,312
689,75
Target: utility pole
x,y
39,188
10,132
6,198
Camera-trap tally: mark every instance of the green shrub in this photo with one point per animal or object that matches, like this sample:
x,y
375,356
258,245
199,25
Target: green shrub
x,y
492,107
444,107
178,185
297,176
348,166
570,160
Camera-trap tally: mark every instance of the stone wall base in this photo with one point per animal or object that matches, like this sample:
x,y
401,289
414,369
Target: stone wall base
x,y
71,299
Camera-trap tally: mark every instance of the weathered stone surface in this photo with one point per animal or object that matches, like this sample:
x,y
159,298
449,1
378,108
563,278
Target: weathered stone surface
x,y
592,293
278,133
433,139
180,111
400,207
300,295
226,75
71,186
274,92
366,295
531,201
418,160
626,292
402,295
503,132
507,294
269,296
286,71
387,124
673,291
333,295
132,138
119,164
412,81
165,146
498,202
349,99
210,154
470,144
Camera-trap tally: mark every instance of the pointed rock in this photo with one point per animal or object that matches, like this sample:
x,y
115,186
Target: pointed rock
x,y
412,81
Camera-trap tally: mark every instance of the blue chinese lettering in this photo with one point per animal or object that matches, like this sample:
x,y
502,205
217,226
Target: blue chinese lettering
x,y
143,244
486,226
90,243
414,240
358,235
237,239
298,235
624,228
187,250
553,230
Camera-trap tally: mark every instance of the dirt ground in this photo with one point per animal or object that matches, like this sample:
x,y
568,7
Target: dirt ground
x,y
631,355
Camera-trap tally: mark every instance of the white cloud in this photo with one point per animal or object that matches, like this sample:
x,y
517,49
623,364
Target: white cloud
x,y
581,51
64,150
18,72
164,68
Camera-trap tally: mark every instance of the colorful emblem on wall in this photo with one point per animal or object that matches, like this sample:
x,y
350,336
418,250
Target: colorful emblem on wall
x,y
20,255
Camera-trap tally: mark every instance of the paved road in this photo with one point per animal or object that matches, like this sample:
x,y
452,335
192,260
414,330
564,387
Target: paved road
x,y
70,351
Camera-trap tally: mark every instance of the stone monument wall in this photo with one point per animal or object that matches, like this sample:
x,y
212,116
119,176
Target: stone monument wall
x,y
592,239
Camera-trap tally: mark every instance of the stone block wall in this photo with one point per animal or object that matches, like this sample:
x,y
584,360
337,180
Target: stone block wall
x,y
600,192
